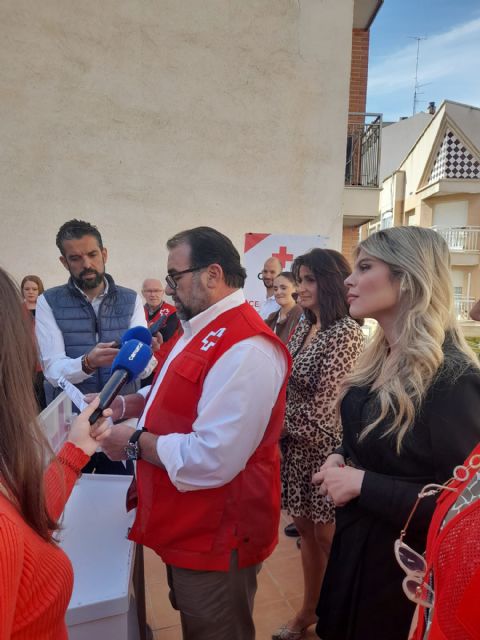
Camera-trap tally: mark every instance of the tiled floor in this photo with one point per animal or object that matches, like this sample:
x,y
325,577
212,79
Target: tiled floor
x,y
280,588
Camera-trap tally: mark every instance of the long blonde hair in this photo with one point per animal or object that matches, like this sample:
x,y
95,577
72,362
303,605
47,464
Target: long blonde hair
x,y
419,258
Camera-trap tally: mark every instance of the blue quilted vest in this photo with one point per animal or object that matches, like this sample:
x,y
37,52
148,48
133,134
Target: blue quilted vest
x,y
79,325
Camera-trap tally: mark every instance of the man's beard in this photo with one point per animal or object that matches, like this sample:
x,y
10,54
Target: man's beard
x,y
85,284
183,312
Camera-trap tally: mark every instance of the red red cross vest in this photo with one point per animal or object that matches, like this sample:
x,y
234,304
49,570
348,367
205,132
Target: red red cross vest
x,y
199,529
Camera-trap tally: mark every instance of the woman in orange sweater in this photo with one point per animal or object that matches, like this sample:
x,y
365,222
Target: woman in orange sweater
x,y
36,577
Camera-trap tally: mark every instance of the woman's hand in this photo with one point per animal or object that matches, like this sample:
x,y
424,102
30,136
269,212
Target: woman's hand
x,y
333,460
340,483
116,406
83,434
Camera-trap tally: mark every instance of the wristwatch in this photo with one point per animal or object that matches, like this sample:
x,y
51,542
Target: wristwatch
x,y
132,448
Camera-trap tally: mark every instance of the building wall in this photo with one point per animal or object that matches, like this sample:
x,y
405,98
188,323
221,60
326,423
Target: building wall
x,y
359,70
355,203
349,242
150,117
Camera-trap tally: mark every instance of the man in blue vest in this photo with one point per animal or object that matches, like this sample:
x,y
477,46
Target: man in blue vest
x,y
78,323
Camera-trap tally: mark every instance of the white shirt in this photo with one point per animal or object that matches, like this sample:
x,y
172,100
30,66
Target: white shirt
x,y
270,305
238,395
55,361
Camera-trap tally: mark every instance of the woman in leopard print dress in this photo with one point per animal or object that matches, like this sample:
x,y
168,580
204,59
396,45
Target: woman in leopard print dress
x,y
324,348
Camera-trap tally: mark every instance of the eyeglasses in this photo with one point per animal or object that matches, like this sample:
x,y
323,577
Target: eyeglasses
x,y
171,279
415,586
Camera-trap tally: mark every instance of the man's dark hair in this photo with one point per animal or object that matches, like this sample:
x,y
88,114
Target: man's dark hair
x,y
76,229
209,246
329,272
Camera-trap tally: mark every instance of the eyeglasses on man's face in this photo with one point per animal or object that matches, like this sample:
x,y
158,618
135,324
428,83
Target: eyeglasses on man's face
x,y
172,278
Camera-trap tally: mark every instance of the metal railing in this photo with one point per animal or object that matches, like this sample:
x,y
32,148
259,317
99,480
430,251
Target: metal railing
x,y
463,307
363,150
461,238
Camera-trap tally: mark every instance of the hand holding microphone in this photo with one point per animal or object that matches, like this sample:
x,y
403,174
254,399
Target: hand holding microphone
x,y
131,360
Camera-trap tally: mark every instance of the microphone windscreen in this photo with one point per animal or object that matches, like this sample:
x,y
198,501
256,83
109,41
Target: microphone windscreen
x,y
137,333
133,357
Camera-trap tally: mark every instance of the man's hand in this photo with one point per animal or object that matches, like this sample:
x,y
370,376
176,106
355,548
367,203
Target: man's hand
x,y
114,442
102,355
157,341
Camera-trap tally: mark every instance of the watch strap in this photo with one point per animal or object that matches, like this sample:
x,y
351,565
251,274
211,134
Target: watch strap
x,y
136,435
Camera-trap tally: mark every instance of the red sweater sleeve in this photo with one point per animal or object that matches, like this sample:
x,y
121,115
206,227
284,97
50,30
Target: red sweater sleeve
x,y
11,563
60,477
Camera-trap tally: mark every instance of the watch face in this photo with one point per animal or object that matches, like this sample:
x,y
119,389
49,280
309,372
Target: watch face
x,y
131,449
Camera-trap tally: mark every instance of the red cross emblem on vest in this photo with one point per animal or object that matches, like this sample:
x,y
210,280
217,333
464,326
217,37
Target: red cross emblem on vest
x,y
211,339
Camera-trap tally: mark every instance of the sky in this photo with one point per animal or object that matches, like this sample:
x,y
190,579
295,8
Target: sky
x,y
449,60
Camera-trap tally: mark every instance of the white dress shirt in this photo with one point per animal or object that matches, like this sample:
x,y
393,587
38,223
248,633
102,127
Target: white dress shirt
x,y
238,395
55,362
270,305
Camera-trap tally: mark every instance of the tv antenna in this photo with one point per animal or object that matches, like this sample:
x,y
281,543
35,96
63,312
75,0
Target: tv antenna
x,y
417,86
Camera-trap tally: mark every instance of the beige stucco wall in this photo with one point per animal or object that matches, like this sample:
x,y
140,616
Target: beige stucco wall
x,y
149,117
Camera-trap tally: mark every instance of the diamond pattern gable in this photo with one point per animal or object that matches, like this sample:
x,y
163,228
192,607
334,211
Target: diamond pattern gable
x,y
454,160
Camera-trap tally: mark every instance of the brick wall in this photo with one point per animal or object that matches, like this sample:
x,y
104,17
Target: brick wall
x,y
349,242
359,70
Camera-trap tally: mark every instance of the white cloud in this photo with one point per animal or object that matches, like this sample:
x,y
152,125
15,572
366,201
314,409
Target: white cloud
x,y
448,63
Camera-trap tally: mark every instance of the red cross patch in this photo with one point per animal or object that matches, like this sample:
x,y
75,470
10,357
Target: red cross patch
x,y
211,339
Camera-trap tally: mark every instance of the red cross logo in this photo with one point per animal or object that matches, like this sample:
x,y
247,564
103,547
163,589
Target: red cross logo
x,y
211,339
283,256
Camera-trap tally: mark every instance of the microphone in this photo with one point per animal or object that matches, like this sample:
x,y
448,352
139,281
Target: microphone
x,y
158,325
131,360
134,333
137,333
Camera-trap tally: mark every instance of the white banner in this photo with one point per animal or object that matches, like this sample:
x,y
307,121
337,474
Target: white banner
x,y
260,246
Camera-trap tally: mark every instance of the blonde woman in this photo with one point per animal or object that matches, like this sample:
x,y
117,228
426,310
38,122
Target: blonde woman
x,y
410,413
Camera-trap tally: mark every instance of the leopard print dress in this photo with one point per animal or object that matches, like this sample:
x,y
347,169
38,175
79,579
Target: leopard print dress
x,y
312,429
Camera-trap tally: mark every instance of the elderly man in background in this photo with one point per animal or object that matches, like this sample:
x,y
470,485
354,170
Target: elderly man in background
x,y
158,311
271,269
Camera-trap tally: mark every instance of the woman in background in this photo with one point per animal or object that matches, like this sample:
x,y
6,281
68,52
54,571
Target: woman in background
x,y
31,287
284,321
36,577
410,412
324,348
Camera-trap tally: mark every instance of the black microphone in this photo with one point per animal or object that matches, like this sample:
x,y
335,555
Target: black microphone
x,y
158,325
131,360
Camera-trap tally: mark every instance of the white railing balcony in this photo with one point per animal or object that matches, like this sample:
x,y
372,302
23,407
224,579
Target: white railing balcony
x,y
463,307
465,239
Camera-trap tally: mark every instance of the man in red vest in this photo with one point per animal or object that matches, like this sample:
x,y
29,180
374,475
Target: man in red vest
x,y
157,310
206,443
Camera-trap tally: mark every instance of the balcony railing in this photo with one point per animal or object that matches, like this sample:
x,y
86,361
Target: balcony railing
x,y
461,238
363,150
463,306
